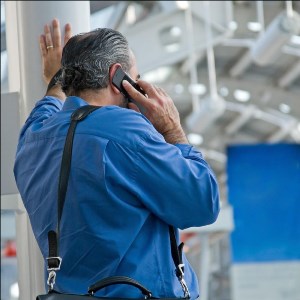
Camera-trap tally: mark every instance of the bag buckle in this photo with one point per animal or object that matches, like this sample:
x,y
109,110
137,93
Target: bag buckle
x,y
53,263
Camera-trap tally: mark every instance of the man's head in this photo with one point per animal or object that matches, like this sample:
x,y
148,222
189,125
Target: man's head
x,y
87,60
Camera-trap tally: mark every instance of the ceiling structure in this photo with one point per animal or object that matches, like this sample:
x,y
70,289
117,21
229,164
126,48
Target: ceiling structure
x,y
262,102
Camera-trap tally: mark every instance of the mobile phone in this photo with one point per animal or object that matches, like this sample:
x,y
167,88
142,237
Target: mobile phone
x,y
117,79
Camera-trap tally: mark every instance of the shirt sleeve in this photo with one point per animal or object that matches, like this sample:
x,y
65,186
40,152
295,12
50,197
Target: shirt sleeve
x,y
176,184
43,109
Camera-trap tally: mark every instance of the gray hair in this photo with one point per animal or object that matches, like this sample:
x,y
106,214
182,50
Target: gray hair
x,y
87,58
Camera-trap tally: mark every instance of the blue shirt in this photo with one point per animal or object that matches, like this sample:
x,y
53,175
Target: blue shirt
x,y
126,185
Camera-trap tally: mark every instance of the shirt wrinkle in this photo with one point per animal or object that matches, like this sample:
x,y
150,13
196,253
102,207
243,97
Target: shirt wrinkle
x,y
159,268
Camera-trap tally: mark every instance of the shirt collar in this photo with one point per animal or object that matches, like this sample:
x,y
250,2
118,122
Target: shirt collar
x,y
73,102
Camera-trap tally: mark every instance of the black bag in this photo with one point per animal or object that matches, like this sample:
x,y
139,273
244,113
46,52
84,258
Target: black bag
x,y
54,261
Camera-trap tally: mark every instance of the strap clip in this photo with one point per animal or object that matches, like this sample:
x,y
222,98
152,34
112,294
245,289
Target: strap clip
x,y
180,270
51,280
180,275
185,288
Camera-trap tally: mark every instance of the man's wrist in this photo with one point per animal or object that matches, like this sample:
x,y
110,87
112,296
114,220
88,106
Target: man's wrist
x,y
176,136
55,80
56,92
54,87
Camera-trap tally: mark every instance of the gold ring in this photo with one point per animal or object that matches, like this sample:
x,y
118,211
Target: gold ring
x,y
48,47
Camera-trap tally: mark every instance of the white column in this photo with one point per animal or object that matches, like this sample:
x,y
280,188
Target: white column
x,y
25,21
31,18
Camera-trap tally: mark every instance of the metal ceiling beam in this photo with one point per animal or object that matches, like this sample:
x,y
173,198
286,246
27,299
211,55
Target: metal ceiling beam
x,y
241,65
291,50
186,65
153,28
269,118
295,133
257,86
285,123
98,5
118,14
238,43
147,4
241,120
290,76
215,155
283,132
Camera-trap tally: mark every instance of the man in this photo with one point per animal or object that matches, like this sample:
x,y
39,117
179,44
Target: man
x,y
131,176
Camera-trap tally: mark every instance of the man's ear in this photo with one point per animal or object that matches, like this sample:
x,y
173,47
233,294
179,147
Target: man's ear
x,y
112,72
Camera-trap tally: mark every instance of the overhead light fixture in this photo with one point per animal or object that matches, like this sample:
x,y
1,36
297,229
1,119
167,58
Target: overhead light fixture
x,y
175,31
182,4
208,112
172,47
178,88
254,26
284,108
232,25
224,91
195,139
170,38
197,89
241,95
158,75
268,46
295,39
130,14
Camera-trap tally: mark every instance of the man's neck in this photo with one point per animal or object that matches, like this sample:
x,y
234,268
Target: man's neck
x,y
98,97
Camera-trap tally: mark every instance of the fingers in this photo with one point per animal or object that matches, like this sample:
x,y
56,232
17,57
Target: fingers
x,y
152,91
55,38
133,93
48,36
56,34
68,33
161,92
43,45
148,88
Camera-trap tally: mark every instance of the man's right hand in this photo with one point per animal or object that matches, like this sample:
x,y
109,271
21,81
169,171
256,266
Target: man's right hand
x,y
159,109
51,49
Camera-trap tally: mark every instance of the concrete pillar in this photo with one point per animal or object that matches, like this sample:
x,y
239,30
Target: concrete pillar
x,y
25,21
31,18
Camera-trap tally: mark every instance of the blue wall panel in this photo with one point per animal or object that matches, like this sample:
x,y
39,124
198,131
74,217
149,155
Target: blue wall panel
x,y
264,190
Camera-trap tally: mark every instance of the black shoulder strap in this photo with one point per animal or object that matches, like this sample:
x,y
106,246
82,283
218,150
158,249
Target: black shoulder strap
x,y
54,261
78,115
